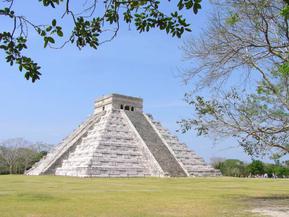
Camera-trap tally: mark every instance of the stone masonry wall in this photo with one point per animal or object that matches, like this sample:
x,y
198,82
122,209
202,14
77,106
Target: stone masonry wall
x,y
110,149
47,164
194,164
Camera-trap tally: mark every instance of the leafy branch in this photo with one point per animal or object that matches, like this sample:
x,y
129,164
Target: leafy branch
x,y
89,25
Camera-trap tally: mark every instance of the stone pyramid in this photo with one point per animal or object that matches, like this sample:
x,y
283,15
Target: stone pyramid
x,y
119,140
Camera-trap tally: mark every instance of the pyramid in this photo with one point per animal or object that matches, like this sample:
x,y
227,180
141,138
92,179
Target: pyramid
x,y
119,140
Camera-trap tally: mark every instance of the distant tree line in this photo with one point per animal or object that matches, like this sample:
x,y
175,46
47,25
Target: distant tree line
x,y
18,155
257,168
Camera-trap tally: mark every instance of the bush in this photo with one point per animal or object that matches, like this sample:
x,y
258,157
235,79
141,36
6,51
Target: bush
x,y
232,167
256,168
276,170
237,168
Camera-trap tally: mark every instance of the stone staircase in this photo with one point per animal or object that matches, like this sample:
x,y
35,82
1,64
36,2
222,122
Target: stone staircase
x,y
47,165
110,149
78,159
159,150
193,164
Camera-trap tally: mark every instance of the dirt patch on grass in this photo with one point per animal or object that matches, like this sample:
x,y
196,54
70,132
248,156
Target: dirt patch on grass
x,y
274,206
272,211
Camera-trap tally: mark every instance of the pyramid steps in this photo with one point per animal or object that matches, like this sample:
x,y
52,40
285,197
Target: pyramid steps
x,y
193,164
45,164
112,152
165,159
119,140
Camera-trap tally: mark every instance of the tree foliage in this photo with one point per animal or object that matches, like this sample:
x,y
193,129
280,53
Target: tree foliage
x,y
232,167
256,167
18,155
93,20
237,168
250,40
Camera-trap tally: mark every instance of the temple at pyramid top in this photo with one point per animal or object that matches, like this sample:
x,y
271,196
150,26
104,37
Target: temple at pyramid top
x,y
119,140
117,101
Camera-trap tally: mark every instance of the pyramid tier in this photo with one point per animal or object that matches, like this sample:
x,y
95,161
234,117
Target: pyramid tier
x,y
191,162
112,151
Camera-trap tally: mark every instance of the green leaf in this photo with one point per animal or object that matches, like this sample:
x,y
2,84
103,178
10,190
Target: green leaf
x,y
48,29
53,22
45,42
60,33
285,12
51,40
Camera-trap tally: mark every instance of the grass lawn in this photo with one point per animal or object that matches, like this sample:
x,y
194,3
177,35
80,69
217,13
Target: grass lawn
x,y
51,196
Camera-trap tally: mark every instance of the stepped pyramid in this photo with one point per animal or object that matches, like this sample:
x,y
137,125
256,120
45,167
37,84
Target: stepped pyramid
x,y
119,140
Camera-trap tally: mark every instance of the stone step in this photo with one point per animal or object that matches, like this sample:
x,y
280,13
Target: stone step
x,y
154,143
45,165
194,165
110,149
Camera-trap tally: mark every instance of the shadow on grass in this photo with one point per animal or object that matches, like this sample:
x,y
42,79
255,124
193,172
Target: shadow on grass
x,y
40,197
270,198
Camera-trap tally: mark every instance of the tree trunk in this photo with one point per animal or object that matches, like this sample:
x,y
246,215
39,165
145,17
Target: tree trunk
x,y
10,169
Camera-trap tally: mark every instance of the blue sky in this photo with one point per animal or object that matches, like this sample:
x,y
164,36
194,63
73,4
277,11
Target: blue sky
x,y
144,65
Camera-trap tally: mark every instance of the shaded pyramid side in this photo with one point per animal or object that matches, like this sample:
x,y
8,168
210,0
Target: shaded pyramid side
x,y
193,164
48,163
159,150
111,148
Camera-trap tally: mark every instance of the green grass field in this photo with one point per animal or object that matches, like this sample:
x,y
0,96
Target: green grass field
x,y
49,196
